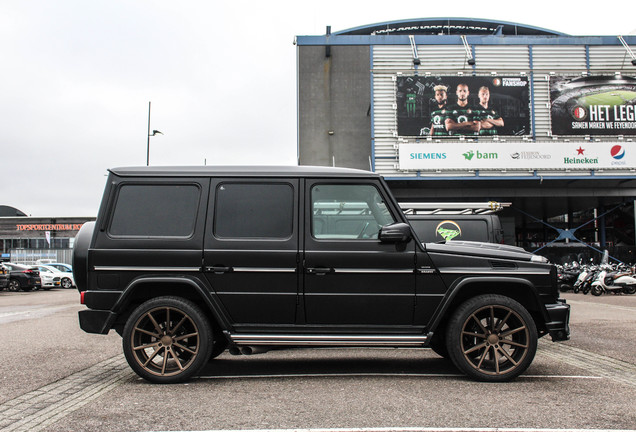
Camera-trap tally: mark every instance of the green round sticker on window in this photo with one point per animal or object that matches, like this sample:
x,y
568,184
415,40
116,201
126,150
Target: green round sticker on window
x,y
448,230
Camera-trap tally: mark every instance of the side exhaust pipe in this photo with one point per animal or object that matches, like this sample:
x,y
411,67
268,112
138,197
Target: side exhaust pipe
x,y
247,350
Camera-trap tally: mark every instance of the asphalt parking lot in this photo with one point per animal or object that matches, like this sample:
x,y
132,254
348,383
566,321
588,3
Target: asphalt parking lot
x,y
55,377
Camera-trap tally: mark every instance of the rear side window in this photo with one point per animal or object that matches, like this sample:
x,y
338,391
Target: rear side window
x,y
166,210
254,210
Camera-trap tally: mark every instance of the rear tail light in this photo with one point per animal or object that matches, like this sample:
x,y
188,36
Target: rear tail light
x,y
82,297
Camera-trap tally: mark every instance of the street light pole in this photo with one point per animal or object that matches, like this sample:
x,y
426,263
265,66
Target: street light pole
x,y
154,132
148,145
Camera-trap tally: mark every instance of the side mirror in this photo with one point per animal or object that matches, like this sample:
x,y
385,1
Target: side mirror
x,y
395,233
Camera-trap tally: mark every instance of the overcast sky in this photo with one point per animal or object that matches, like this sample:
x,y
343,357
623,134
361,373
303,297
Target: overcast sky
x,y
77,76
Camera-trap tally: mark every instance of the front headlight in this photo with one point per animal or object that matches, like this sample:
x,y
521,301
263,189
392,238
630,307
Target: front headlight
x,y
538,258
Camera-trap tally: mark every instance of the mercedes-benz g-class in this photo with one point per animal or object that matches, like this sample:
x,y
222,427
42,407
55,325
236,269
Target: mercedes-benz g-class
x,y
186,262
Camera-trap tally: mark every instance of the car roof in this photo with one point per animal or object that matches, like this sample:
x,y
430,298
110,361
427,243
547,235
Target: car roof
x,y
240,171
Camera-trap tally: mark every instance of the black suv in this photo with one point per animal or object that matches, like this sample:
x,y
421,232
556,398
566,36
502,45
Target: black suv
x,y
186,262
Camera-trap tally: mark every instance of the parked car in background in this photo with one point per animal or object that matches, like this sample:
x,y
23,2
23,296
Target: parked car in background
x,y
23,277
4,277
64,279
49,277
62,267
67,278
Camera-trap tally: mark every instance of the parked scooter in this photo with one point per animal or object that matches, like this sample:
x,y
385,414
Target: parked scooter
x,y
615,282
586,277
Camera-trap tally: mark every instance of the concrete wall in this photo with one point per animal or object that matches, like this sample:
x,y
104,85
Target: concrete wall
x,y
334,118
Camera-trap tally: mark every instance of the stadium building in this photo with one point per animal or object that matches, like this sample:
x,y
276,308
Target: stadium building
x,y
464,110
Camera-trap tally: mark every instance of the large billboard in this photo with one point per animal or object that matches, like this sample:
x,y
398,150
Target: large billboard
x,y
583,155
447,106
596,105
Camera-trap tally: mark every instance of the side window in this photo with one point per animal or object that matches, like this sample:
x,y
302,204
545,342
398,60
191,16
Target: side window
x,y
254,210
347,212
155,210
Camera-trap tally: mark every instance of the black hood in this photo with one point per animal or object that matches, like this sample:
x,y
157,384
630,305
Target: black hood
x,y
490,250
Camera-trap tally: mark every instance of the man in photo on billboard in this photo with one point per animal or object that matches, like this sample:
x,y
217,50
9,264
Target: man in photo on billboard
x,y
461,118
490,119
438,113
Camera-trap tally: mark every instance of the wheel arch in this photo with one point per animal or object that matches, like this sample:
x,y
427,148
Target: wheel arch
x,y
145,288
518,289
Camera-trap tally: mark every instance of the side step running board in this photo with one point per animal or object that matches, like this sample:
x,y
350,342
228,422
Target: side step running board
x,y
331,340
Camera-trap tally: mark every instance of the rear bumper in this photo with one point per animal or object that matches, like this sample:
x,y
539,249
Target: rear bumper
x,y
96,321
559,323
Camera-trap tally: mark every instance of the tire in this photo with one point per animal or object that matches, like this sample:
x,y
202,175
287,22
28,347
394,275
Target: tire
x,y
597,291
66,283
167,340
491,338
14,285
631,289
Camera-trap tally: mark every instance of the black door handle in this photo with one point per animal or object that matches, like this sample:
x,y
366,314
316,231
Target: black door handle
x,y
320,270
218,269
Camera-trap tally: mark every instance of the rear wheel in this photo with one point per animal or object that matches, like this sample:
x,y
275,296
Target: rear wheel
x,y
631,289
167,340
14,285
492,338
66,283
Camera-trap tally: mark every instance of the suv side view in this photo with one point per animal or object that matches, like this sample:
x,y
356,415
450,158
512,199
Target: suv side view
x,y
185,263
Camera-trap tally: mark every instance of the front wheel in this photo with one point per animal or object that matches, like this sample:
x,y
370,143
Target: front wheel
x,y
597,290
491,338
167,340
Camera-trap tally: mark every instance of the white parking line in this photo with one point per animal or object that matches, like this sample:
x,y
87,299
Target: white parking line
x,y
417,429
624,308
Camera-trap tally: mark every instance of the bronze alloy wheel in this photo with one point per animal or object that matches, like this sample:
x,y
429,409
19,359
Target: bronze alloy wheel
x,y
495,338
167,340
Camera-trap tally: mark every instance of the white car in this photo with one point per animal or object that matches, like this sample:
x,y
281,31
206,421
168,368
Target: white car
x,y
48,277
65,279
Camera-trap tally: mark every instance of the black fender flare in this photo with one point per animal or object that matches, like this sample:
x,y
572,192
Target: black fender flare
x,y
210,300
465,283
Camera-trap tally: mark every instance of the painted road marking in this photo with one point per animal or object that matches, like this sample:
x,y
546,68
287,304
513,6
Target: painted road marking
x,y
417,429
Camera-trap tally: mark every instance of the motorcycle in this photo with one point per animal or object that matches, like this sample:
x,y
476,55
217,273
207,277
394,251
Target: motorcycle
x,y
586,277
615,282
567,275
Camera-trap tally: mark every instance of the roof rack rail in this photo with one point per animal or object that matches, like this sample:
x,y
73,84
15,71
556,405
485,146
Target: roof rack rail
x,y
453,208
